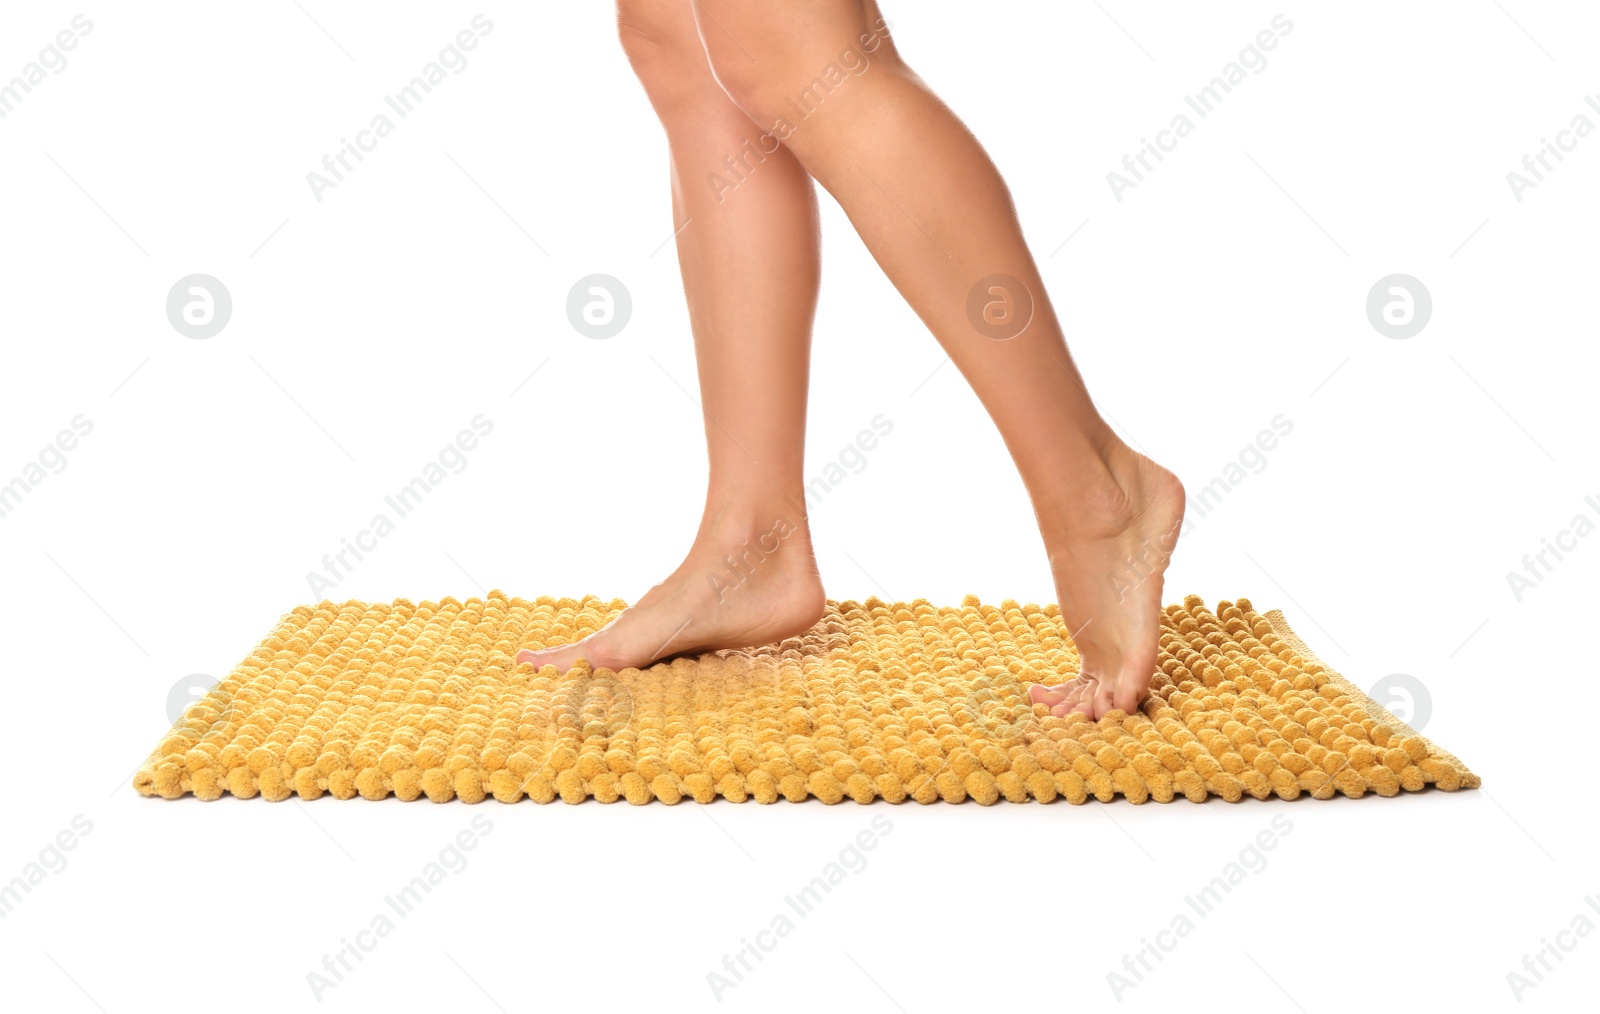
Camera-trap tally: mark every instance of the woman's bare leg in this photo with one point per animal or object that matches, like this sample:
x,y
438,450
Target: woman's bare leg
x,y
748,251
824,77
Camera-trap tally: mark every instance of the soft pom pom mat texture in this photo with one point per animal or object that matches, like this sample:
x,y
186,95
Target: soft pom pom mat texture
x,y
878,700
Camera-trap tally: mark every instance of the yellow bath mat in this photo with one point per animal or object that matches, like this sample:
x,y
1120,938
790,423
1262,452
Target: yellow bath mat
x,y
878,700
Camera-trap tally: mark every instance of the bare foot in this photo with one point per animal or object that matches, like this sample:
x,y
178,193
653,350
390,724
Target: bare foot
x,y
1108,554
728,593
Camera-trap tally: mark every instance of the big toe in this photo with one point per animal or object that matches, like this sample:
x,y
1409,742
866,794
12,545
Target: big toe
x,y
539,659
1129,697
1038,693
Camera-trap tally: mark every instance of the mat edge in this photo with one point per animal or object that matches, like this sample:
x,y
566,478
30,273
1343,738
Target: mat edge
x,y
1280,625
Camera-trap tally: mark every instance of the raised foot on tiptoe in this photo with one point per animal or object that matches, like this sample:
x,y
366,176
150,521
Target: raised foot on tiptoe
x,y
712,601
1109,555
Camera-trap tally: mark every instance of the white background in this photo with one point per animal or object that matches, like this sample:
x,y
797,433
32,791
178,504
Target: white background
x,y
369,327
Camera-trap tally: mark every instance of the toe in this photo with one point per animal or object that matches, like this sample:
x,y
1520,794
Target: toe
x,y
1072,696
1128,697
1038,693
1104,699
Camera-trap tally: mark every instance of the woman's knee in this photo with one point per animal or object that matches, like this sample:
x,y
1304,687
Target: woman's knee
x,y
776,61
663,47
